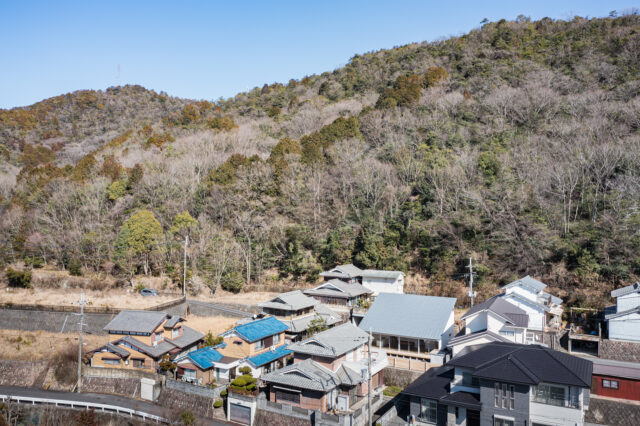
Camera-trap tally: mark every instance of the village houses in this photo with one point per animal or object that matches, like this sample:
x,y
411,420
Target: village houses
x,y
140,339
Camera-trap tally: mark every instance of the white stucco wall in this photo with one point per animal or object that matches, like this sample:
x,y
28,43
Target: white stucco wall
x,y
382,285
448,332
629,301
536,315
475,323
625,328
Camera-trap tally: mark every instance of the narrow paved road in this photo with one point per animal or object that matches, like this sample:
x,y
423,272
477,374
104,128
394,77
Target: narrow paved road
x,y
96,398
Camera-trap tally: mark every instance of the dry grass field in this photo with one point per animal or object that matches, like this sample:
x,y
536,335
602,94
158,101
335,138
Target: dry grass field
x,y
215,325
41,345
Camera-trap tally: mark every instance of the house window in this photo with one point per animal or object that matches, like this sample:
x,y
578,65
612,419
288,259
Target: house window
x,y
138,363
610,384
287,396
259,345
428,410
508,333
469,380
504,395
276,339
512,397
190,374
549,394
499,421
111,361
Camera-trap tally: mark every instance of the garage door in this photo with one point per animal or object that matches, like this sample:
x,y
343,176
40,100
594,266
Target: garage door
x,y
240,414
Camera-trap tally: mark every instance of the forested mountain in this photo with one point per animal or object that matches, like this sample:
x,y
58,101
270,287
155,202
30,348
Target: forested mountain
x,y
517,144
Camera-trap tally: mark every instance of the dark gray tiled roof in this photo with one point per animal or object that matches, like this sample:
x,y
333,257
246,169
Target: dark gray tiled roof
x,y
462,399
434,384
333,342
290,301
339,289
513,314
189,337
157,351
529,364
172,321
299,325
633,288
136,321
409,315
305,374
343,271
472,336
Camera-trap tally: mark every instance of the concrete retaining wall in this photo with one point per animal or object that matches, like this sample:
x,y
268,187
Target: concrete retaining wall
x,y
125,387
22,373
400,377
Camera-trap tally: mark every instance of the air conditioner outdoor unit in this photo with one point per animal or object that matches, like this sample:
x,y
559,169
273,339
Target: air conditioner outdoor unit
x,y
272,348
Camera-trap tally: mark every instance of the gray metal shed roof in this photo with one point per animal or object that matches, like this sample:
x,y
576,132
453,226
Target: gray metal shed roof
x,y
622,313
136,321
290,301
633,288
339,289
609,367
374,273
528,282
305,374
409,315
333,342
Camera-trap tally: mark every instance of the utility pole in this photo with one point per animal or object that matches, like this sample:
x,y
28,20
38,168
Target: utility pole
x,y
184,266
369,384
472,294
82,302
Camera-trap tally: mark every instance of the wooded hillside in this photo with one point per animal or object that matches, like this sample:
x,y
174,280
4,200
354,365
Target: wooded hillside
x,y
517,144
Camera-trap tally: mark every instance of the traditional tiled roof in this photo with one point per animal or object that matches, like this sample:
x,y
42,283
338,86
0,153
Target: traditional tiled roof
x,y
343,271
299,325
259,329
527,282
348,376
333,342
136,321
409,315
115,349
510,312
633,288
269,356
472,336
338,289
290,301
528,364
305,374
157,351
189,337
173,321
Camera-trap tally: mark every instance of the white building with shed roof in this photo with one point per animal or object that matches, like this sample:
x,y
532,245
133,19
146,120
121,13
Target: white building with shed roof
x,y
412,329
378,281
623,318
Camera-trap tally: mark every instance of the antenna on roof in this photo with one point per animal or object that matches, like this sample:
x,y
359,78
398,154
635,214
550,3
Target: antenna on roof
x,y
472,294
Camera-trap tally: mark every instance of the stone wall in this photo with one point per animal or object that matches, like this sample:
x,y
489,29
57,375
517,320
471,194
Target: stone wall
x,y
267,418
125,387
606,411
619,350
22,373
194,389
399,377
179,401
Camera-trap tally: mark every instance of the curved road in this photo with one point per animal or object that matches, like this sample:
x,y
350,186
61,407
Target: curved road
x,y
142,408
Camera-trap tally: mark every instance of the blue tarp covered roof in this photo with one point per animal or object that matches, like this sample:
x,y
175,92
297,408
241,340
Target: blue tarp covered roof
x,y
205,357
259,329
269,356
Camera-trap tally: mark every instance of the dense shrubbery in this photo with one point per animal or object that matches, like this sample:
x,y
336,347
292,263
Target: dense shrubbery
x,y
18,279
516,144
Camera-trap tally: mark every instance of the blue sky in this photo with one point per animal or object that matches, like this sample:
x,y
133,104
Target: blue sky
x,y
209,49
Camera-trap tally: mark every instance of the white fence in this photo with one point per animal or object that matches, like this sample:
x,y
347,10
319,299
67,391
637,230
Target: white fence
x,y
63,403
